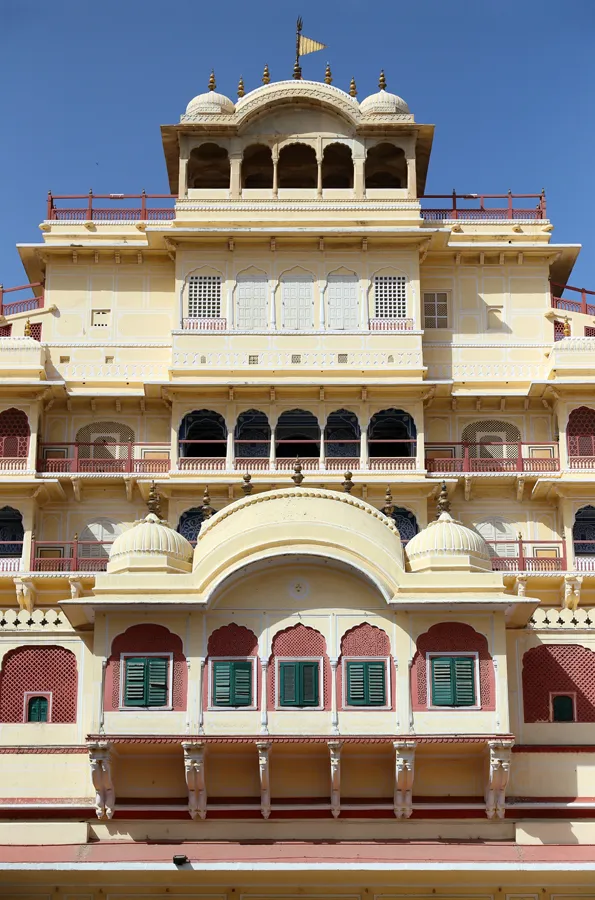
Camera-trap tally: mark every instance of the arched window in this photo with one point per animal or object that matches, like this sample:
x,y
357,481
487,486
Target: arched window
x,y
365,676
297,166
146,668
297,434
342,302
190,523
559,683
44,670
11,539
14,434
391,435
386,167
562,708
252,306
406,523
97,537
297,296
492,439
337,166
299,672
208,167
203,433
252,440
500,537
38,709
257,167
583,535
581,438
104,446
342,439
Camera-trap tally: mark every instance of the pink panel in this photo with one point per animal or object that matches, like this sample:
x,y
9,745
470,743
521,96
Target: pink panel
x,y
41,669
147,639
299,642
232,640
561,669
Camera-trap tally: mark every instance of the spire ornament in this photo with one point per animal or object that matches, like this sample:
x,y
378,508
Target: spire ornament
x,y
389,507
348,482
328,76
382,81
443,503
566,329
153,503
212,82
241,90
247,485
352,88
27,331
266,75
297,476
207,509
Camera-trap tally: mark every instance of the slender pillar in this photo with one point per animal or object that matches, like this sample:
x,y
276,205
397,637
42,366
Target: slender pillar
x,y
334,709
359,179
319,177
411,177
229,456
264,713
201,712
275,173
322,457
235,180
363,448
273,449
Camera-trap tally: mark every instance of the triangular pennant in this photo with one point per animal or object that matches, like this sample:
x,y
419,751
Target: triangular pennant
x,y
307,45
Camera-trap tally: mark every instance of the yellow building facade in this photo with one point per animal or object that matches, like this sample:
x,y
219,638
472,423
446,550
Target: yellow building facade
x,y
297,527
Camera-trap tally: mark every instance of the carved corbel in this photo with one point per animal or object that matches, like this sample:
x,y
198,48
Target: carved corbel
x,y
498,774
25,594
521,585
334,749
264,750
404,771
101,776
572,591
194,768
467,485
520,488
76,588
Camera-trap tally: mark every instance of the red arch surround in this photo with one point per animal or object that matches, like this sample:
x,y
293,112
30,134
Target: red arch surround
x,y
299,641
14,433
149,638
228,641
365,640
558,669
452,637
580,432
39,669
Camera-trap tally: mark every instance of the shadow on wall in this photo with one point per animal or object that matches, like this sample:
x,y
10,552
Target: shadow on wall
x,y
559,671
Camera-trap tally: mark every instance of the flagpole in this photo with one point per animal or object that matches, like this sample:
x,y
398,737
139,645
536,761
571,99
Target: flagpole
x,y
297,71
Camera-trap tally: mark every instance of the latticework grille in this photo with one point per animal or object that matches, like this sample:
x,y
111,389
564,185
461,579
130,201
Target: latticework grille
x,y
140,639
204,297
390,296
232,640
581,432
365,640
560,669
35,330
452,637
301,642
104,440
14,433
436,309
40,669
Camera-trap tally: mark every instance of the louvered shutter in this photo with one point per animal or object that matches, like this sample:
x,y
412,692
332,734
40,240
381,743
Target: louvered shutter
x,y
356,693
309,684
442,681
242,683
134,682
366,683
157,681
342,302
252,306
37,710
146,681
288,695
375,683
221,683
298,303
464,679
232,683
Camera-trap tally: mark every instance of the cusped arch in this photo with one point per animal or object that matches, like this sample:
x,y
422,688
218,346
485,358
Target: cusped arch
x,y
14,433
203,433
297,434
406,522
301,93
299,642
190,523
143,639
491,439
209,166
386,166
337,165
365,640
45,669
583,533
342,435
392,433
580,433
11,537
232,640
257,166
252,437
297,166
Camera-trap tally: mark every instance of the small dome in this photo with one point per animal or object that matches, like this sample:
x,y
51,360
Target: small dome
x,y
448,544
383,103
209,104
150,544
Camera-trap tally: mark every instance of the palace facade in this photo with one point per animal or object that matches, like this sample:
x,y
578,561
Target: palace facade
x,y
297,526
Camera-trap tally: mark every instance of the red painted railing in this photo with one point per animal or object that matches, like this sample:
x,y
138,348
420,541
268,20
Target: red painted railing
x,y
581,451
104,458
584,556
528,556
459,207
14,452
85,211
69,556
27,304
565,303
461,456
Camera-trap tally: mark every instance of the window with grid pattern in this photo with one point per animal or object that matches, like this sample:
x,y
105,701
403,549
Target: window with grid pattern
x,y
436,309
204,297
453,680
390,297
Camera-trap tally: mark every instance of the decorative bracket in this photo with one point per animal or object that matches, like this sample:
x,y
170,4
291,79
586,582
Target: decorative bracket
x,y
572,591
264,749
25,594
194,768
334,748
404,771
498,774
100,759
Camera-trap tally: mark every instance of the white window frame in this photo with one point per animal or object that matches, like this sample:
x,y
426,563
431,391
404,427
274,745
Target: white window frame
x,y
551,705
49,696
468,653
448,294
170,681
404,300
290,709
346,707
195,280
226,709
251,279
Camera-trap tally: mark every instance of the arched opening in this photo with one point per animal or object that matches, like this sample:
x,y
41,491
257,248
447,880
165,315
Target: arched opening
x,y
252,440
581,438
502,540
492,445
208,167
11,539
391,437
337,166
297,167
297,435
14,434
583,536
257,167
406,523
342,440
386,167
95,542
104,447
190,523
203,436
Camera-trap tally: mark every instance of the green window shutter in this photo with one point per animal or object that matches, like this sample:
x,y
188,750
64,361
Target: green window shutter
x,y
464,672
134,681
356,684
376,683
242,683
562,708
298,684
232,683
37,709
309,683
288,687
442,681
366,683
221,683
157,671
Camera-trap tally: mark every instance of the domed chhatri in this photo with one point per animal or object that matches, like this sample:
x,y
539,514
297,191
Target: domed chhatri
x,y
447,544
151,545
209,104
383,102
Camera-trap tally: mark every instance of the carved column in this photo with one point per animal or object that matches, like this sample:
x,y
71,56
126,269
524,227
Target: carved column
x,y
264,713
404,771
264,749
275,154
229,455
101,776
194,768
201,712
334,749
411,177
235,181
497,780
363,448
273,449
319,176
334,709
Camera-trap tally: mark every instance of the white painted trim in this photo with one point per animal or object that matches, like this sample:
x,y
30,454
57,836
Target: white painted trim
x,y
48,696
230,866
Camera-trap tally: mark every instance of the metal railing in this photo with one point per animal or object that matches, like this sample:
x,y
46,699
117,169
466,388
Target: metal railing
x,y
26,304
581,451
105,457
528,556
391,324
11,556
195,324
484,210
491,456
584,556
14,453
567,305
85,211
69,556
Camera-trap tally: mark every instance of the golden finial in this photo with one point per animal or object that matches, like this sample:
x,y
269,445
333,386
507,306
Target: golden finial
x,y
443,504
212,82
207,509
297,71
247,486
76,536
153,501
27,331
352,88
328,76
297,476
266,75
567,331
241,91
382,81
388,508
347,482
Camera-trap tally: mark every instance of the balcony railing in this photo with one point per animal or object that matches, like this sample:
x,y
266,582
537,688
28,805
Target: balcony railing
x,y
528,556
24,304
391,324
584,556
14,453
491,457
484,208
69,556
104,457
192,324
11,553
84,210
580,304
581,451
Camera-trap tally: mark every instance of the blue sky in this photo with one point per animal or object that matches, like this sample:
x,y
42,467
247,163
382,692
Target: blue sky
x,y
508,84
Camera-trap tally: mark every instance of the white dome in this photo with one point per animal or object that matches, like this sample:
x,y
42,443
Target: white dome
x,y
209,104
446,543
150,544
383,103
